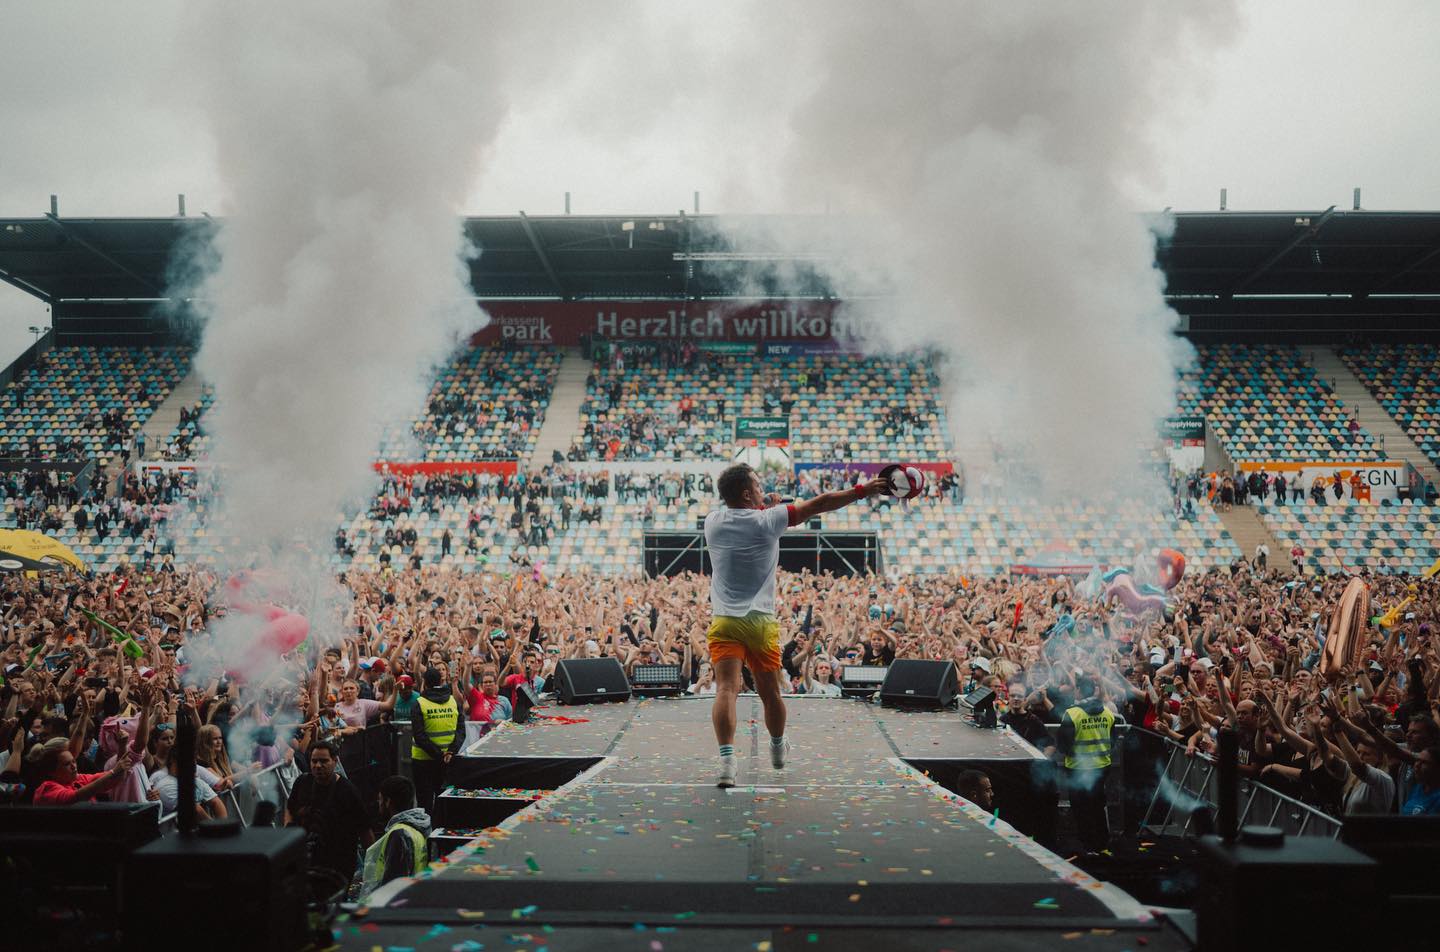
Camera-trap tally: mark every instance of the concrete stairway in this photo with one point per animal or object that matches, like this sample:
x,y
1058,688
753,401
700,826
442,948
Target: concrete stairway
x,y
166,417
1248,531
562,417
1350,391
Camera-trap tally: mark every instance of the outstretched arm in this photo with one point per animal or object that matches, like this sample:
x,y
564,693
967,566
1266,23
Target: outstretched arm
x,y
807,509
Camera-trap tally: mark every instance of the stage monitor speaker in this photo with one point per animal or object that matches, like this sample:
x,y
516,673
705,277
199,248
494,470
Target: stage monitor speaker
x,y
591,681
525,699
920,684
1244,882
249,890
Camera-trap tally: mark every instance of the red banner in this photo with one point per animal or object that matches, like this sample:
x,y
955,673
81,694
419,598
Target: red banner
x,y
501,467
565,322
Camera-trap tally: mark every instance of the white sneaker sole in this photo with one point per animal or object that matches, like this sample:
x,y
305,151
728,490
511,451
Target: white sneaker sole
x,y
778,755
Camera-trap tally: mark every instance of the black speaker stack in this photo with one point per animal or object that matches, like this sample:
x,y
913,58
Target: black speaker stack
x,y
591,681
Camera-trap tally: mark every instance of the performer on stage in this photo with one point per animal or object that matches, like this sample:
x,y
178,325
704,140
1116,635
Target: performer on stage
x,y
744,543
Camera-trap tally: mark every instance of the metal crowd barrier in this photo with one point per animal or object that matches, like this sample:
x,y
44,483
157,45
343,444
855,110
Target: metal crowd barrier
x,y
272,784
1188,782
366,758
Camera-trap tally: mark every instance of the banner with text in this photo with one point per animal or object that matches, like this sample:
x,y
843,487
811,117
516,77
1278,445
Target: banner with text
x,y
1184,430
1184,438
771,431
142,467
871,470
801,348
1377,481
750,322
501,467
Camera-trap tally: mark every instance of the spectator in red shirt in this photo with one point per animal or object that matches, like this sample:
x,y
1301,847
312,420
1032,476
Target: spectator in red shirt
x,y
63,784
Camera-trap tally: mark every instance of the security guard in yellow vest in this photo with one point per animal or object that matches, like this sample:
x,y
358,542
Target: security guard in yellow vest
x,y
1085,740
402,850
438,730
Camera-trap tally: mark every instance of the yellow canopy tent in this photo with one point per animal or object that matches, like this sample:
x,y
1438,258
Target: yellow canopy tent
x,y
22,550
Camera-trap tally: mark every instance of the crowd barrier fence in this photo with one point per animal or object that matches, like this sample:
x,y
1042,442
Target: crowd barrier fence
x,y
1188,782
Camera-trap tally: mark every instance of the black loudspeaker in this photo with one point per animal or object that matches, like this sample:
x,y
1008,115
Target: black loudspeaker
x,y
920,684
1404,846
1246,881
525,699
41,850
591,681
250,890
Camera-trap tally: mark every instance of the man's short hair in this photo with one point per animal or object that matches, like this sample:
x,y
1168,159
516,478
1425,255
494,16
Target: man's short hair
x,y
1426,721
733,483
399,791
968,783
329,745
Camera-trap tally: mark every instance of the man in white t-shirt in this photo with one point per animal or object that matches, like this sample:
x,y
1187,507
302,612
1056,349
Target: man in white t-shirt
x,y
744,543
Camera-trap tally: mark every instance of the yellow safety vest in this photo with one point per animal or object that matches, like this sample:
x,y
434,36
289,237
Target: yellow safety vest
x,y
374,868
1092,739
437,721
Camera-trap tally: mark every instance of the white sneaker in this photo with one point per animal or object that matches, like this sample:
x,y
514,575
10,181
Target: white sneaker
x,y
727,772
778,754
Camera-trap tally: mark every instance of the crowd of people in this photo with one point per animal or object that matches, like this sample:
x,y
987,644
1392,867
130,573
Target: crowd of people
x,y
620,421
89,710
1241,650
189,439
453,413
1223,490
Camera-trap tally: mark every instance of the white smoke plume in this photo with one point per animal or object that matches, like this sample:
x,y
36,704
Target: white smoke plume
x,y
348,136
988,150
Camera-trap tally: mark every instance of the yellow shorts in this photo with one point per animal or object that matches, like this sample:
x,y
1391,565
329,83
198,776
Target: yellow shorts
x,y
754,640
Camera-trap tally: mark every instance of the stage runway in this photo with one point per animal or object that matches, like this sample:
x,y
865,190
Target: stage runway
x,y
846,840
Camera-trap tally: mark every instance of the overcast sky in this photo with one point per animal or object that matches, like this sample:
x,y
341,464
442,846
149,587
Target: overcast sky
x,y
1307,101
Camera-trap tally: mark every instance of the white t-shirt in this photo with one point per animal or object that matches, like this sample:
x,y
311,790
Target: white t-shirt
x,y
1372,796
824,690
169,789
744,552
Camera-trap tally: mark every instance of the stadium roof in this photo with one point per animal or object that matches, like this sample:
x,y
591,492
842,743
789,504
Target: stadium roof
x,y
1210,254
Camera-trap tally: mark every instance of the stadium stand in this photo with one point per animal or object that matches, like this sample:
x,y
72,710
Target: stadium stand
x,y
1401,537
635,411
1267,403
87,402
986,537
1405,379
605,533
488,403
188,440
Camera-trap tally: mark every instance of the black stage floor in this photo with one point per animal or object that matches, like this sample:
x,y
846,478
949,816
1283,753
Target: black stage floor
x,y
847,845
